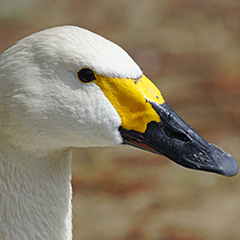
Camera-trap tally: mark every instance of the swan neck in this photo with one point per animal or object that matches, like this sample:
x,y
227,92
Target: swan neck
x,y
35,195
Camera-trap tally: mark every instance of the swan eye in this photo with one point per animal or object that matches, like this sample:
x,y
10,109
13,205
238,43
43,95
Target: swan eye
x,y
86,75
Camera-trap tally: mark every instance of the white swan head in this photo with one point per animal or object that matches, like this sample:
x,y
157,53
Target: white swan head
x,y
46,105
68,87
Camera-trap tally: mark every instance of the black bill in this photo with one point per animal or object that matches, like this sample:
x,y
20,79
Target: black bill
x,y
175,139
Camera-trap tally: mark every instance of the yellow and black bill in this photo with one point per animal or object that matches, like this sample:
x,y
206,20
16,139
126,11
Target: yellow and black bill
x,y
175,139
147,122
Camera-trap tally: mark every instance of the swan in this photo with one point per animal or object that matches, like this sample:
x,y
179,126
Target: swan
x,y
67,87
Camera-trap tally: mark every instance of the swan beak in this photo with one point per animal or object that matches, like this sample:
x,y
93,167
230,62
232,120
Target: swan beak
x,y
175,139
150,124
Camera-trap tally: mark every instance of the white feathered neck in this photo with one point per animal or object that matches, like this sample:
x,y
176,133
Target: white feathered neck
x,y
44,111
35,195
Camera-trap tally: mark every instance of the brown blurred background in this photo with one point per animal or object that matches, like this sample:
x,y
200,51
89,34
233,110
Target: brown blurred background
x,y
191,50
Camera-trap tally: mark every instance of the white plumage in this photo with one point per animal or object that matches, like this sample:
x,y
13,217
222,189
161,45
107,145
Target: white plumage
x,y
45,110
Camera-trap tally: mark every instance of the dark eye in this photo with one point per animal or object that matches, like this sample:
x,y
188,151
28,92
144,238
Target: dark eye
x,y
86,75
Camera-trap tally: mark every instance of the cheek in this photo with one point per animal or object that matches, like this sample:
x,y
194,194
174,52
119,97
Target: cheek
x,y
91,120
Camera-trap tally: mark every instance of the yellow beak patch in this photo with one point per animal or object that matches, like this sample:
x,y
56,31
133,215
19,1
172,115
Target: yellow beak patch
x,y
131,97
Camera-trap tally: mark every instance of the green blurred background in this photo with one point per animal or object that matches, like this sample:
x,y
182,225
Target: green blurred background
x,y
191,50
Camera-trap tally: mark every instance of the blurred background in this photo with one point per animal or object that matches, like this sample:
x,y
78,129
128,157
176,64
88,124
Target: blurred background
x,y
191,50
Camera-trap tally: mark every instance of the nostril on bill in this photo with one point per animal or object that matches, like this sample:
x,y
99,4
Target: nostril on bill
x,y
180,136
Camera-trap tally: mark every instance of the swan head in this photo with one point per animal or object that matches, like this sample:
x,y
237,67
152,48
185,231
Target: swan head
x,y
68,87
